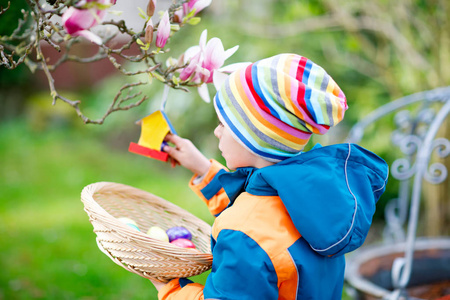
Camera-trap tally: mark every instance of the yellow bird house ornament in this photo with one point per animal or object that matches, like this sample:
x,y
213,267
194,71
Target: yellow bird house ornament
x,y
154,129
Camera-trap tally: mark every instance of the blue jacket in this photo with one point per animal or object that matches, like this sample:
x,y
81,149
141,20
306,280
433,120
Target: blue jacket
x,y
282,230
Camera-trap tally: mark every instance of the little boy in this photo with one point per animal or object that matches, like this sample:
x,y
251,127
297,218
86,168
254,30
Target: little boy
x,y
285,218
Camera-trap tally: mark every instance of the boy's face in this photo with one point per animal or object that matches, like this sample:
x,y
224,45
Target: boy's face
x,y
236,156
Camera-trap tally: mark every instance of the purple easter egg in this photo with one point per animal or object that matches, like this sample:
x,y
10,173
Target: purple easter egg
x,y
178,232
183,243
163,145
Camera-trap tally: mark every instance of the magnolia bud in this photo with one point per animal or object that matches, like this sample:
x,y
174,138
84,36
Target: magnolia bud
x,y
178,16
180,60
149,32
163,31
151,7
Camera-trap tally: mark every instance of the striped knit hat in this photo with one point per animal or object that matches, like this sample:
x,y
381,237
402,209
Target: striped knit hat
x,y
274,105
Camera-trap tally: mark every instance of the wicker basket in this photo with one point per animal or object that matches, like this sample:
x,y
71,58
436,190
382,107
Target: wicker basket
x,y
134,250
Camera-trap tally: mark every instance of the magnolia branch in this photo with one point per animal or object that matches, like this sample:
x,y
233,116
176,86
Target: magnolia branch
x,y
119,100
9,61
116,104
2,10
47,21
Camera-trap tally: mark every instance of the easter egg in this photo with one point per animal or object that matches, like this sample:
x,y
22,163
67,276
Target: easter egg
x,y
157,233
133,226
129,222
183,243
178,232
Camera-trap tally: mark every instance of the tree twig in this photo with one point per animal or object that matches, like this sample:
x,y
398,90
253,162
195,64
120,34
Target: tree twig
x,y
3,10
37,25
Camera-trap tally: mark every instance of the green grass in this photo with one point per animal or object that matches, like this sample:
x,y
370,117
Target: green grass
x,y
47,246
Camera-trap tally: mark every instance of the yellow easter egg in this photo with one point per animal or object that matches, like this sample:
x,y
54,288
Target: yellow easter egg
x,y
158,234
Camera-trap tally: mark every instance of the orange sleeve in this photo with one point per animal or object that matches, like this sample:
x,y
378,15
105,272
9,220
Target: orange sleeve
x,y
219,201
174,291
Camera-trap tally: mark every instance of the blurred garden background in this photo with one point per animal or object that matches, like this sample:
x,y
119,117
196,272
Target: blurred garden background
x,y
376,50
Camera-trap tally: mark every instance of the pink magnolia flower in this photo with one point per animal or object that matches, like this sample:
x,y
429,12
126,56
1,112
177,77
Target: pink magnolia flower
x,y
189,6
192,67
203,61
214,55
77,22
163,32
198,5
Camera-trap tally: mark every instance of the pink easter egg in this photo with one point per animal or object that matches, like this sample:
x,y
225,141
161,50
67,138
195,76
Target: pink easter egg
x,y
183,243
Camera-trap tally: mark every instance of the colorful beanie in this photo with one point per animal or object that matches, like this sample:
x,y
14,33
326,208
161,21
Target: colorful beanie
x,y
274,105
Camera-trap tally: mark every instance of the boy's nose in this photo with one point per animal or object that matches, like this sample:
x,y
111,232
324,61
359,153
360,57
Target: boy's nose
x,y
218,131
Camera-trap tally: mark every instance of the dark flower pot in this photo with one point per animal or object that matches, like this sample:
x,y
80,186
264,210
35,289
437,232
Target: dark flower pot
x,y
369,270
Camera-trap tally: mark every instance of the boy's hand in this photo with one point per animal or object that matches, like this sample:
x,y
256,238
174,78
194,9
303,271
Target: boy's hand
x,y
186,154
158,284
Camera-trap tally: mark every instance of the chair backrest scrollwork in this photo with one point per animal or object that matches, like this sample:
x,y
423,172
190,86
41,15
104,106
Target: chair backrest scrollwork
x,y
418,119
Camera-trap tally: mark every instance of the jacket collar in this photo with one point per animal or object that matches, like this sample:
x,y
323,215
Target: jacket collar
x,y
234,183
